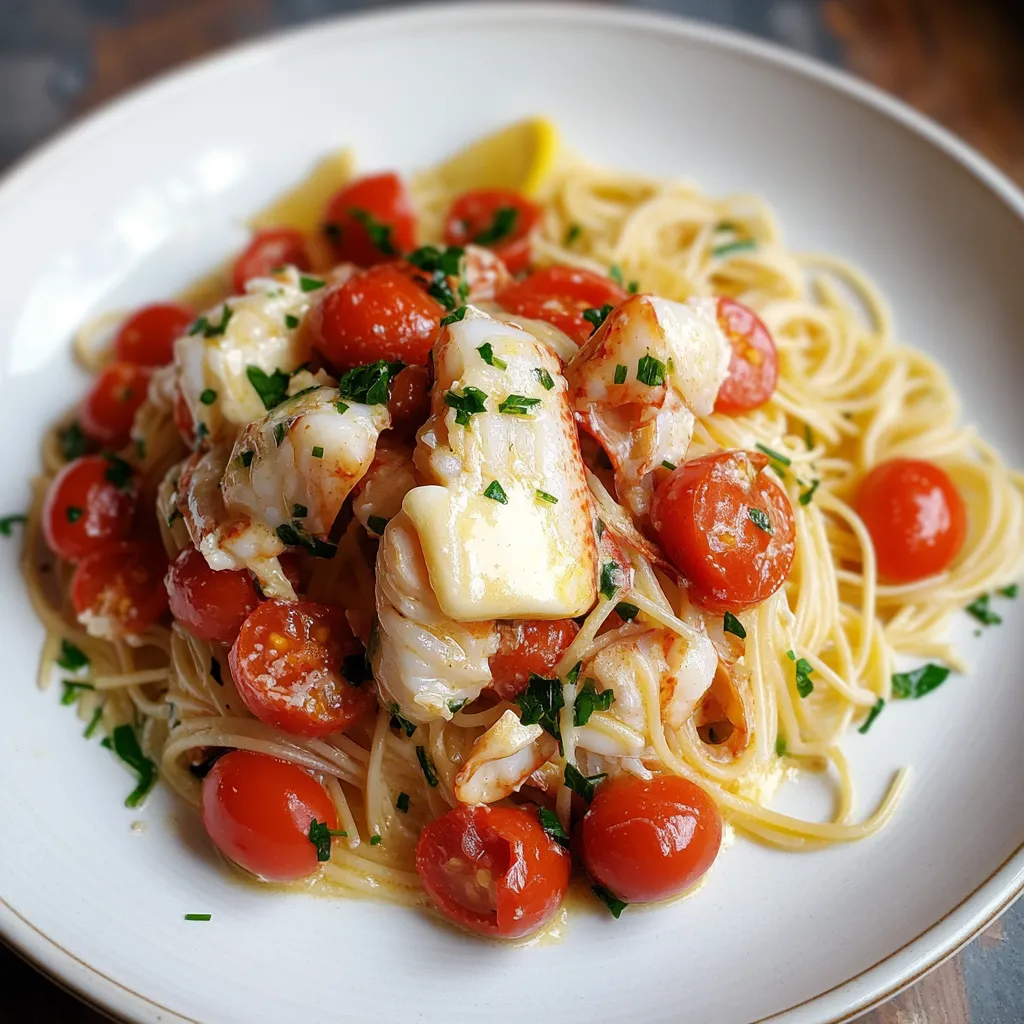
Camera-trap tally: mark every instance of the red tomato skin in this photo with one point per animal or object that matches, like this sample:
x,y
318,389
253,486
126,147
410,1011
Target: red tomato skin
x,y
385,198
378,314
532,871
318,640
106,510
559,295
109,407
649,840
409,404
700,513
916,517
530,646
182,417
124,582
473,213
147,337
211,605
257,810
754,364
269,249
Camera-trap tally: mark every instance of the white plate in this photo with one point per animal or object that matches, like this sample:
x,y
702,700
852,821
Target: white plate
x,y
134,202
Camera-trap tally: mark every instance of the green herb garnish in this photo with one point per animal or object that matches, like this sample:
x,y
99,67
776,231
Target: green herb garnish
x,y
73,690
730,247
317,451
981,611
612,902
588,700
550,823
126,745
272,388
572,233
804,686
1011,591
596,316
488,356
380,234
291,321
620,373
549,498
452,318
807,496
502,226
626,611
875,711
118,472
369,384
71,658
918,682
320,836
398,721
208,397
496,492
785,460
612,578
582,785
469,403
294,536
733,625
760,519
540,703
650,371
517,405
429,773
73,444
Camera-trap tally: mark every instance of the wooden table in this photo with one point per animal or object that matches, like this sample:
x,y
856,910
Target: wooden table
x,y
957,60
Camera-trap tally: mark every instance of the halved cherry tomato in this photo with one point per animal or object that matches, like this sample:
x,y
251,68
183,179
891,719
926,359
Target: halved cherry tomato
x,y
147,337
559,295
728,527
916,517
257,810
288,666
409,404
497,218
122,584
647,840
754,366
270,248
377,314
492,870
110,405
211,605
530,646
371,221
91,503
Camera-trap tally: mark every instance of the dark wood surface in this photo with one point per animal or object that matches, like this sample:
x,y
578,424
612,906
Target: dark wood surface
x,y
957,60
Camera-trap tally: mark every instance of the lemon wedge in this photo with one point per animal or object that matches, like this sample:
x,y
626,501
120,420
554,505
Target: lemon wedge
x,y
302,207
518,157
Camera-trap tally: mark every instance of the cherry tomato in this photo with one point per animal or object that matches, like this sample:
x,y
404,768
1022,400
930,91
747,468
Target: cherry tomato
x,y
110,405
492,870
916,517
371,220
497,218
123,584
257,810
378,314
754,365
409,404
728,527
288,666
182,417
559,295
270,248
147,337
531,646
211,605
647,840
90,503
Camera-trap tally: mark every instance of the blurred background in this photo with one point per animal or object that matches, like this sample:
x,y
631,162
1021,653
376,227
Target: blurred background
x,y
960,61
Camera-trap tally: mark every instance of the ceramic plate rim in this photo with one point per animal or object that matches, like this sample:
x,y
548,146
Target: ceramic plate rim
x,y
849,998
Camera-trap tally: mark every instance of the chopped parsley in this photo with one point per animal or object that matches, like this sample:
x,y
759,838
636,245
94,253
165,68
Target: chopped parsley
x,y
73,690
808,436
400,722
550,823
272,388
429,773
299,511
502,226
71,657
215,673
469,403
496,493
455,706
596,316
744,245
620,373
402,803
291,321
981,611
488,356
199,917
919,682
369,384
1011,591
341,407
780,746
650,371
452,318
280,429
125,744
785,460
544,496
588,700
292,535
7,523
540,703
875,711
760,519
582,785
612,578
441,265
807,496
211,330
377,524
317,451
545,378
615,273
626,611
310,284
375,840
804,686
380,234
93,723
246,458
208,397
356,669
612,902
517,405
118,472
572,233
320,836
665,464
733,625
73,444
